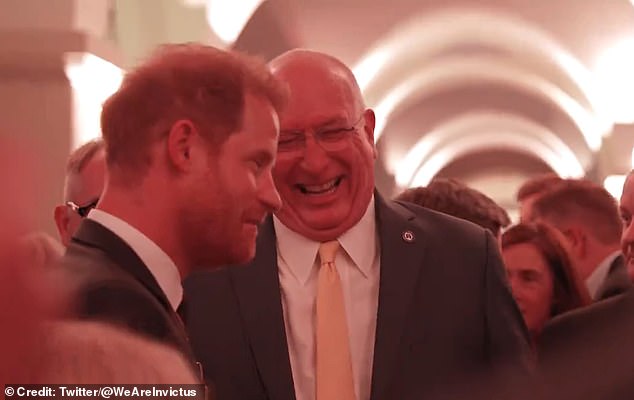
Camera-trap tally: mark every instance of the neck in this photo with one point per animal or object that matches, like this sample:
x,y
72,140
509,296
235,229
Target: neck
x,y
153,218
596,257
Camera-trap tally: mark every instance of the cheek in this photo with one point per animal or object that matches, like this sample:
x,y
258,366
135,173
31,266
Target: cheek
x,y
542,298
281,173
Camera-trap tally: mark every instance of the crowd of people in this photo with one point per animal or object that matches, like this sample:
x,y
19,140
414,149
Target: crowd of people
x,y
226,229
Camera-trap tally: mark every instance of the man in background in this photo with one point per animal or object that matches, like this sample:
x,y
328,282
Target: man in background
x,y
531,189
85,176
588,217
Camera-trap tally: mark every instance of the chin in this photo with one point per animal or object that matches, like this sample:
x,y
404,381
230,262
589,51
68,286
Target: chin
x,y
325,219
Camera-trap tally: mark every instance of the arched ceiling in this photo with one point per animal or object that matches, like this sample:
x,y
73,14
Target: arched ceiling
x,y
453,81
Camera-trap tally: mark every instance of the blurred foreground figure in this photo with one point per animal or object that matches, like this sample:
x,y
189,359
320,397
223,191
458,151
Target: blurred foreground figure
x,y
43,249
26,298
588,353
87,352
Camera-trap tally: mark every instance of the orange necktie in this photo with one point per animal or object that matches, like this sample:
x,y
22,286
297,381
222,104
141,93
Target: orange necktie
x,y
334,364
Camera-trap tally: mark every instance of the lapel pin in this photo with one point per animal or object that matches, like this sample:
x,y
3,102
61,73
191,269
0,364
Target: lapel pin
x,y
408,236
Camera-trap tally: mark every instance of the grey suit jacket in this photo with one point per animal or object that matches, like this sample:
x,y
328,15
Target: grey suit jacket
x,y
444,312
617,280
110,283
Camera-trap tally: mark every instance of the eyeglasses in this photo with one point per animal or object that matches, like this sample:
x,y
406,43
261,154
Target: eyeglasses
x,y
82,211
329,138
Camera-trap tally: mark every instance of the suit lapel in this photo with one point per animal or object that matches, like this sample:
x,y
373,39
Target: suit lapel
x,y
402,251
93,234
258,290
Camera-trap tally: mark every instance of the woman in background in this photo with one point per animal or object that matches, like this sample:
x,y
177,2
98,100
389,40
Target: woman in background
x,y
541,274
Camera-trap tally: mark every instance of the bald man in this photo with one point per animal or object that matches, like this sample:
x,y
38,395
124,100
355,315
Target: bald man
x,y
410,301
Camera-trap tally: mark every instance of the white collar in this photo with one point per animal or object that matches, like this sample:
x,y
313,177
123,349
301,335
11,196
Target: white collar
x,y
155,259
359,242
596,279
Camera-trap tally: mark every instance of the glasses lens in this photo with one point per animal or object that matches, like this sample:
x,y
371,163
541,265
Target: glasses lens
x,y
83,211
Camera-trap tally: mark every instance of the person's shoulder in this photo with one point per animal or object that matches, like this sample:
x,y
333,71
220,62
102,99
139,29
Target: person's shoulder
x,y
83,265
99,284
440,223
101,290
617,309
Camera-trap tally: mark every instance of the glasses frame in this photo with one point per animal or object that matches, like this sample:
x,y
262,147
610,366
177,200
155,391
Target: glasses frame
x,y
316,133
82,211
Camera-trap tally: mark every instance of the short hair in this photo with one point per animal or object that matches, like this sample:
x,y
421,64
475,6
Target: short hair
x,y
583,202
537,185
81,156
568,290
452,197
182,81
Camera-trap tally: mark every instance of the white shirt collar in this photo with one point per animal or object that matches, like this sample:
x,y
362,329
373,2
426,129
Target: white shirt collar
x,y
596,279
359,242
155,259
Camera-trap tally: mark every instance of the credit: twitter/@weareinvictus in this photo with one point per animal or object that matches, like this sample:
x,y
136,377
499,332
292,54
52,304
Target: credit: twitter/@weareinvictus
x,y
190,392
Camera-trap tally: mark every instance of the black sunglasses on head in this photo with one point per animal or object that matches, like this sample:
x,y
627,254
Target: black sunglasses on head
x,y
82,211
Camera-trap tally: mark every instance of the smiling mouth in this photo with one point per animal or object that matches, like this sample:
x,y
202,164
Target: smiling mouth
x,y
324,188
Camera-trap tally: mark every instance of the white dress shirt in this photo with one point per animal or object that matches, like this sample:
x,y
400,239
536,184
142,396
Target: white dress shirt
x,y
358,266
596,279
155,259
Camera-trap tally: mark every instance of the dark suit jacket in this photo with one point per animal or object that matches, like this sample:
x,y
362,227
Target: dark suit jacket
x,y
589,353
110,283
444,310
617,280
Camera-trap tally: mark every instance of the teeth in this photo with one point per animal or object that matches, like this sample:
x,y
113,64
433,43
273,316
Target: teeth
x,y
320,188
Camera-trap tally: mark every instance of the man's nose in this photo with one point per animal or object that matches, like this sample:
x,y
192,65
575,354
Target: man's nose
x,y
269,195
315,158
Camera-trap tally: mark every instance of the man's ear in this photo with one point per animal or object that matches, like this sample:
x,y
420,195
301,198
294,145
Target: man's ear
x,y
60,215
181,141
577,240
368,127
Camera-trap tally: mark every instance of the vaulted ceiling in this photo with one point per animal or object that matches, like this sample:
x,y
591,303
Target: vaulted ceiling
x,y
488,91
